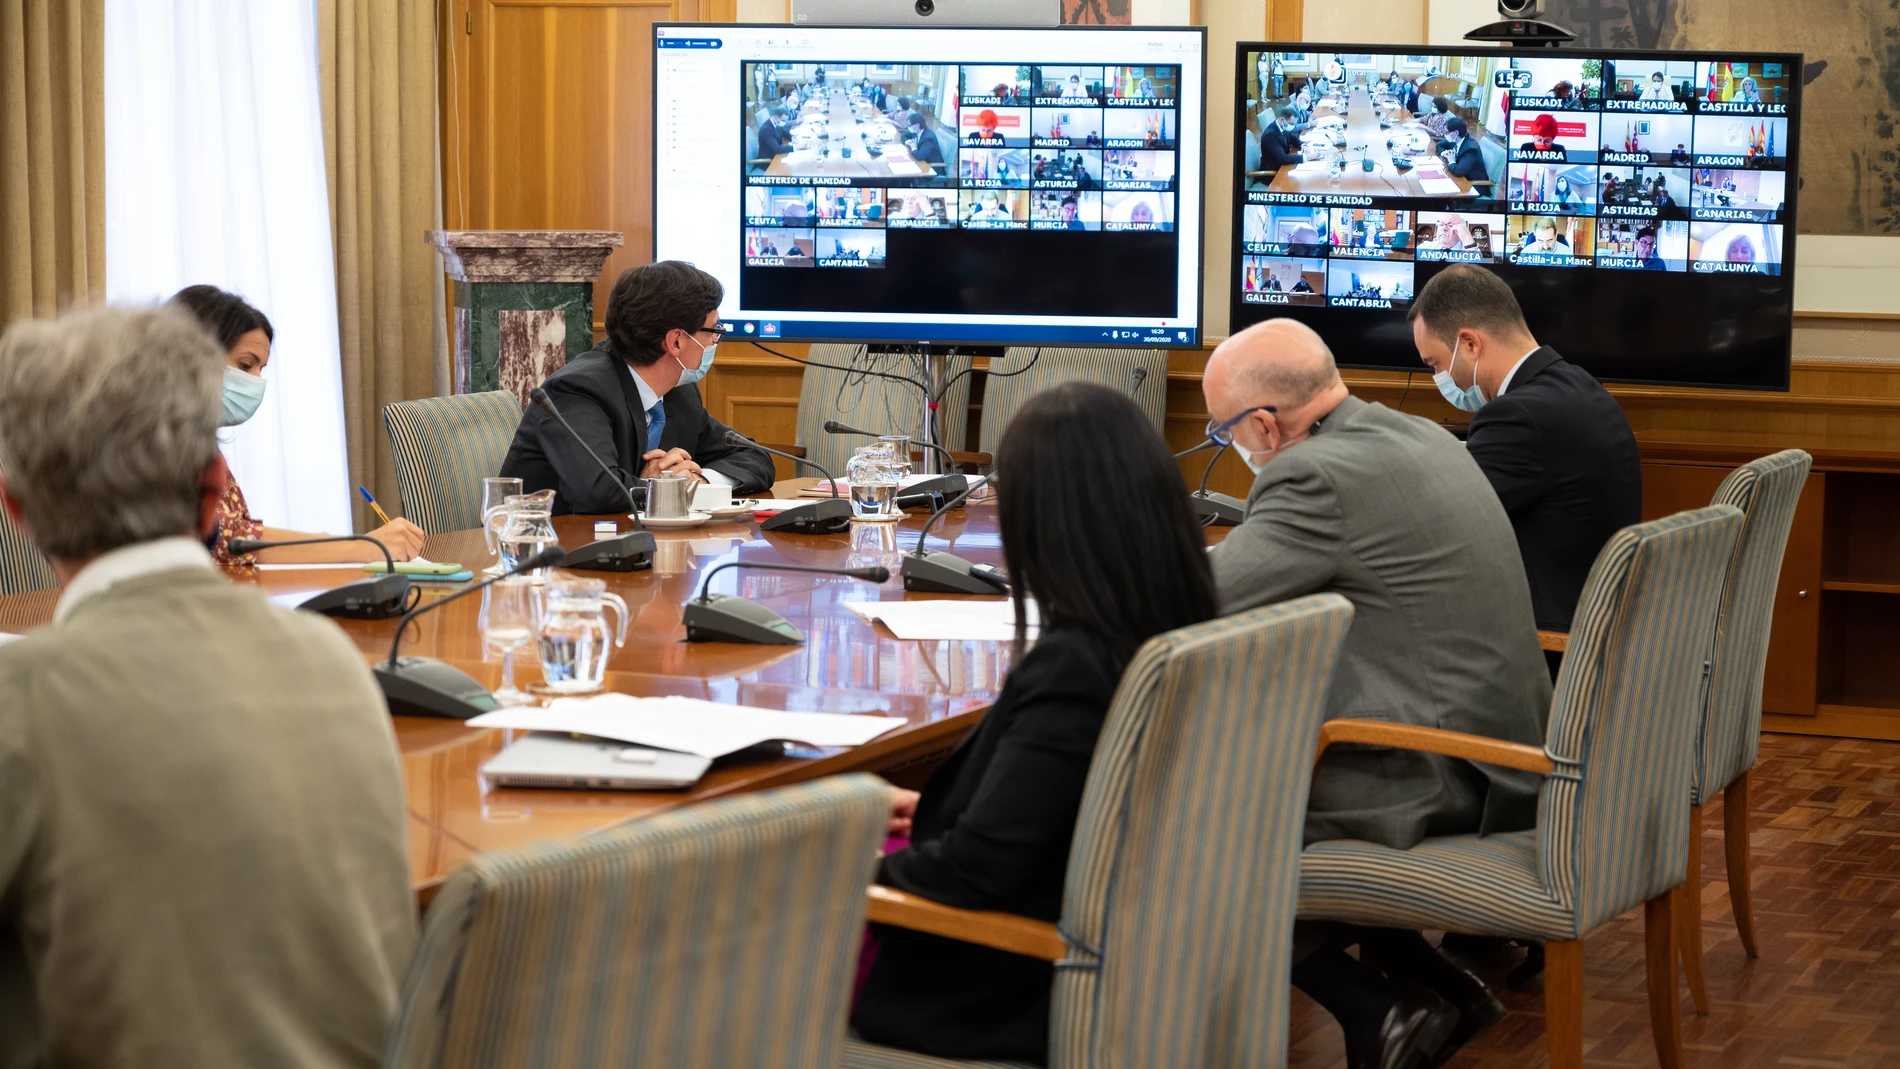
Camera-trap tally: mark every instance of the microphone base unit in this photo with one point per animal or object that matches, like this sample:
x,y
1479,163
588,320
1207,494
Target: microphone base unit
x,y
1226,510
630,552
831,515
380,597
932,493
936,572
729,618
423,686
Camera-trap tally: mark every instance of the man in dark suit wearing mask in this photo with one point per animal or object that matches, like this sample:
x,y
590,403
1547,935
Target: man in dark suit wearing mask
x,y
634,401
1466,161
1552,441
775,136
1279,145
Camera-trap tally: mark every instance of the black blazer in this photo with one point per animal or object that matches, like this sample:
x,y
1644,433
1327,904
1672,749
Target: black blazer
x,y
1468,164
927,150
595,391
992,831
773,141
1278,148
1564,462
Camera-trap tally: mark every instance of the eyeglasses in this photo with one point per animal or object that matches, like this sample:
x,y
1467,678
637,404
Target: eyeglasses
x,y
1223,433
716,332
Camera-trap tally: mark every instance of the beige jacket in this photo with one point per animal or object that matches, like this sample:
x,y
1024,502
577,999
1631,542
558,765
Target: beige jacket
x,y
203,843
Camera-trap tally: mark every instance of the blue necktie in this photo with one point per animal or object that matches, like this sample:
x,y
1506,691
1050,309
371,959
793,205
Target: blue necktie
x,y
656,421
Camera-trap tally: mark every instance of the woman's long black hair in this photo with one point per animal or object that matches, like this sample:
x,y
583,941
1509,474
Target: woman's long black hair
x,y
1095,520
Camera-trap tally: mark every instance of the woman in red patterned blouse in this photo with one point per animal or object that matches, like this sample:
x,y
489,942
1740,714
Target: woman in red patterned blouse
x,y
246,336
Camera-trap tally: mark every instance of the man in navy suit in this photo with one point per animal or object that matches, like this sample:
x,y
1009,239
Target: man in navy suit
x,y
775,136
1552,441
1279,146
1467,161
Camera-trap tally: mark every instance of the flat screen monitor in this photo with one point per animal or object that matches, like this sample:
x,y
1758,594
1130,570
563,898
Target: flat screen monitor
x,y
1640,204
904,185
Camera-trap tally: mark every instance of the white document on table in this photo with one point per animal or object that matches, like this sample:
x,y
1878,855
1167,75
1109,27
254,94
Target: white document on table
x,y
6,637
947,619
1439,187
329,566
690,725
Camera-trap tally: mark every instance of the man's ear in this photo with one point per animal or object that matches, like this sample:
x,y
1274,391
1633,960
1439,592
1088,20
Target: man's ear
x,y
212,482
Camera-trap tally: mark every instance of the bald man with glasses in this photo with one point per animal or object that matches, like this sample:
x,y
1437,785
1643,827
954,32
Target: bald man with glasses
x,y
1389,511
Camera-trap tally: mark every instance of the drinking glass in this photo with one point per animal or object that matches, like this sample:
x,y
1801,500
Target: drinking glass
x,y
494,493
510,617
872,473
900,452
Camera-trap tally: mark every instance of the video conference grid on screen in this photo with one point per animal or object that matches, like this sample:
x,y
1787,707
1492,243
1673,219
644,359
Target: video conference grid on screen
x,y
1610,163
851,156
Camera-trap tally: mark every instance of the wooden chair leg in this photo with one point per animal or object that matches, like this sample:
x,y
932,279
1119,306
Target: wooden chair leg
x,y
1689,917
1563,1003
1665,1020
1735,839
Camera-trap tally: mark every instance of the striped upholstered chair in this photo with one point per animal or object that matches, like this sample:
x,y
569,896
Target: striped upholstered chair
x,y
22,567
873,403
1766,491
1013,380
719,934
444,447
1613,814
1173,947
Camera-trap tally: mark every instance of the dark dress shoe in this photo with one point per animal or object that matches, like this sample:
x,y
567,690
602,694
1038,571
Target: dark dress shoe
x,y
1477,1009
1415,1028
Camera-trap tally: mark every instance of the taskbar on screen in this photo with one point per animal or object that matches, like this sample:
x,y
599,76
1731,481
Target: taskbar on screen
x,y
812,330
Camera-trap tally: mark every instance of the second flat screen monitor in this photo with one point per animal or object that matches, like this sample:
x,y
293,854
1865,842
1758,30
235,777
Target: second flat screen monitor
x,y
1640,204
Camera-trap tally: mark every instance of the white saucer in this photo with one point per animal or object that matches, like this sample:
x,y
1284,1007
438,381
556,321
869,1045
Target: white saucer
x,y
736,510
691,519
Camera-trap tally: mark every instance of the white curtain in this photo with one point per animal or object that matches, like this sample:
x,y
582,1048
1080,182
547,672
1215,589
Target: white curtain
x,y
215,173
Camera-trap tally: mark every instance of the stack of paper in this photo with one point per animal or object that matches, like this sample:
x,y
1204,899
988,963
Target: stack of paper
x,y
689,725
947,619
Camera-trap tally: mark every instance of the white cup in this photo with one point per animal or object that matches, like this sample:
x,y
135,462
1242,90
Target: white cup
x,y
707,497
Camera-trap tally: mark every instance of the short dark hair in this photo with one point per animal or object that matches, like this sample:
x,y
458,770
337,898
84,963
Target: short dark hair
x,y
1442,105
1283,111
1124,574
652,300
226,316
1466,297
1650,230
1456,124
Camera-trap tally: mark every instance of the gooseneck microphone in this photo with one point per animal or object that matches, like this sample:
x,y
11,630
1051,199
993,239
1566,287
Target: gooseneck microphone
x,y
630,552
378,597
714,617
947,573
832,426
1205,445
829,516
1217,510
1135,379
424,686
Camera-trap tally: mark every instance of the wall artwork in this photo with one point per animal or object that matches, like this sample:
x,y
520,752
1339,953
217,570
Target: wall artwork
x,y
1851,102
1097,12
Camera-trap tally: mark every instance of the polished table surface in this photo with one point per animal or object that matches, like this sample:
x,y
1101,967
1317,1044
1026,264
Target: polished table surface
x,y
847,665
1385,179
851,124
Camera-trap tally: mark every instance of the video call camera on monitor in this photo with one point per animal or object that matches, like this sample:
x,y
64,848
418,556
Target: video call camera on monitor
x,y
926,12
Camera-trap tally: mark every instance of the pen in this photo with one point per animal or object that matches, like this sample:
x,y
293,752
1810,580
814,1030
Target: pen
x,y
380,514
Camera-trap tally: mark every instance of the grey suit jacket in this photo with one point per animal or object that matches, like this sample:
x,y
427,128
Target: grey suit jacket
x,y
204,843
1389,511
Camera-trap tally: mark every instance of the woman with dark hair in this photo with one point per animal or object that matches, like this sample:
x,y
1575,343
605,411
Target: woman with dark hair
x,y
246,336
991,829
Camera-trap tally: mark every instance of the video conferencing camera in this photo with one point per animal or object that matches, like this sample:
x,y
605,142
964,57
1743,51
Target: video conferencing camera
x,y
926,12
1521,23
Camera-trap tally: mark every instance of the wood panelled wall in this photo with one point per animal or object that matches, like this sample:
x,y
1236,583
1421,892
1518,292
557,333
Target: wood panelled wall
x,y
547,117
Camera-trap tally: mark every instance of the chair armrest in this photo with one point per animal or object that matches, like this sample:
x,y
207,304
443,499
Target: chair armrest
x,y
1433,740
1001,931
1554,641
967,457
795,450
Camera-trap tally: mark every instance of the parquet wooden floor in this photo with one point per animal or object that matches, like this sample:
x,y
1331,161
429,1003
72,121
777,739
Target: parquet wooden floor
x,y
1825,993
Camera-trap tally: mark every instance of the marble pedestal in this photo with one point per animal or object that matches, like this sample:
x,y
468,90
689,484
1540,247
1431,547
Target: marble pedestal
x,y
524,302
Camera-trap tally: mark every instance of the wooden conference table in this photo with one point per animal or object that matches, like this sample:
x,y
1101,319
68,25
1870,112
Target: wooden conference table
x,y
1385,179
847,665
852,125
